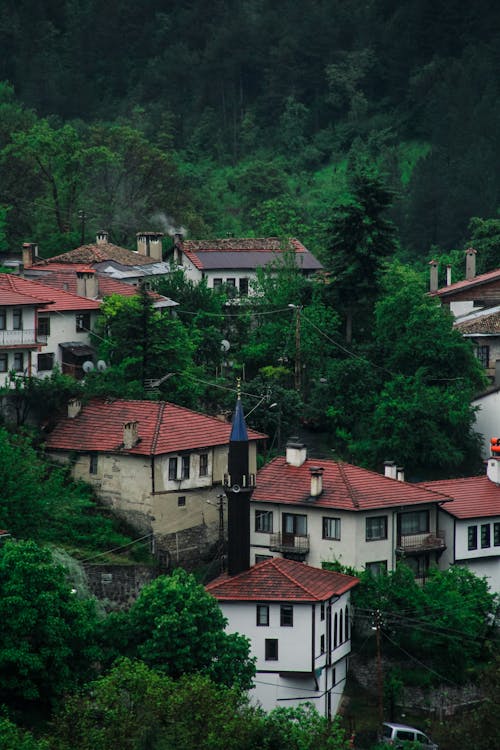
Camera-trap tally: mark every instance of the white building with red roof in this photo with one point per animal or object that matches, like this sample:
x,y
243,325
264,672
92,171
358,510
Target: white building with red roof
x,y
472,522
42,327
315,511
234,262
297,618
158,465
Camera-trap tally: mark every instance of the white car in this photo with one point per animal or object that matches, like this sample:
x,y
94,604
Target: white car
x,y
400,735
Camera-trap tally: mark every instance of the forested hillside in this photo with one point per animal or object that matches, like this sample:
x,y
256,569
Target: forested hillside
x,y
245,117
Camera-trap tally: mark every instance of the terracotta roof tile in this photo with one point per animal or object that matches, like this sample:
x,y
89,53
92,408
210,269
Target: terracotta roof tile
x,y
63,276
249,253
473,497
483,278
98,254
281,580
482,324
345,487
163,428
54,299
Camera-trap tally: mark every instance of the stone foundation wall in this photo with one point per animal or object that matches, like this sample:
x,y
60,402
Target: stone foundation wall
x,y
118,586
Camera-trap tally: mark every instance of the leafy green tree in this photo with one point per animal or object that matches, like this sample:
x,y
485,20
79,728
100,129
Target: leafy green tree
x,y
177,628
47,634
484,236
302,728
13,737
359,240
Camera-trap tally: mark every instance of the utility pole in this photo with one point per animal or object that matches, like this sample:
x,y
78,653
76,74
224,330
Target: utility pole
x,y
298,365
380,679
221,532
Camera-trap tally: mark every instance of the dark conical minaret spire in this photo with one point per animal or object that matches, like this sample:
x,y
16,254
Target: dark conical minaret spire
x,y
238,486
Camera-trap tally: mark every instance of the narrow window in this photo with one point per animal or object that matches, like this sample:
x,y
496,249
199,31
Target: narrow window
x,y
3,319
93,463
181,501
346,623
472,537
271,649
322,610
335,630
483,355
18,361
3,362
341,627
44,325
83,323
203,464
185,467
485,535
244,287
17,319
262,615
322,644
172,469
496,534
264,521
286,615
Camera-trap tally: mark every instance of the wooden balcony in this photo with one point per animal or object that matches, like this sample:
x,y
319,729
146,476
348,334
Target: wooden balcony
x,y
24,337
415,544
293,546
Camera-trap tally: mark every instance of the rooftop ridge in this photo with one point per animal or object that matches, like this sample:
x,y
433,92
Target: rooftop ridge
x,y
293,579
158,425
352,491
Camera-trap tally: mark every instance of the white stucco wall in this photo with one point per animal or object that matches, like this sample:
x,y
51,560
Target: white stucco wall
x,y
63,330
487,419
10,337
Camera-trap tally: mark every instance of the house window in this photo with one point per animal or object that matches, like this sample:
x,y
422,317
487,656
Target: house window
x,y
45,362
485,535
377,568
294,524
185,467
416,522
17,319
262,615
3,362
244,287
261,558
496,534
44,325
322,610
18,361
264,521
203,464
483,355
83,323
231,282
271,649
331,528
376,528
286,616
93,463
181,501
172,469
217,283
3,320
346,622
472,537
322,644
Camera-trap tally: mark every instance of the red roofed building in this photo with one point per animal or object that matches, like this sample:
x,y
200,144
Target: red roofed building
x,y
158,465
42,327
317,511
234,262
472,522
297,618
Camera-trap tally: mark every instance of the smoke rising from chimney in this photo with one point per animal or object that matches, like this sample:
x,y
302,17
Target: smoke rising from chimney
x,y
168,225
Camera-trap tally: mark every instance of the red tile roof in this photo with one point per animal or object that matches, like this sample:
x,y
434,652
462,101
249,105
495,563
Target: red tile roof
x,y
473,497
98,254
55,299
458,286
162,428
249,253
281,580
62,276
345,487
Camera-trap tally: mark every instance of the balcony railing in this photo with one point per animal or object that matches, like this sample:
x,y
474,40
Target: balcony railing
x,y
409,544
26,336
289,544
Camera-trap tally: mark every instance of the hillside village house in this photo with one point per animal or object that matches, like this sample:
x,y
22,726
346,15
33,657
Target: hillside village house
x,y
158,465
316,511
298,621
234,262
42,327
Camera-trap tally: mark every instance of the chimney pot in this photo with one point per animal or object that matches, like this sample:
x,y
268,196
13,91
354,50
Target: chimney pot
x,y
74,408
390,470
448,275
316,480
400,474
130,434
296,452
30,252
470,263
102,237
434,272
86,284
150,244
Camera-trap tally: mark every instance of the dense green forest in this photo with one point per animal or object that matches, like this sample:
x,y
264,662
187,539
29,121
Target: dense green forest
x,y
245,117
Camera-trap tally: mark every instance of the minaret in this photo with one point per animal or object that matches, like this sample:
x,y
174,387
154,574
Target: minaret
x,y
238,486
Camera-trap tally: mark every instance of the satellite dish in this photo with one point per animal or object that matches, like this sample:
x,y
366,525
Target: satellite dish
x,y
225,345
101,365
88,366
235,488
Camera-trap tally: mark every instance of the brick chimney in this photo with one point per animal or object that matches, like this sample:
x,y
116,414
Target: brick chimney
x,y
470,263
102,237
296,453
316,480
434,280
150,244
86,284
74,408
30,253
130,434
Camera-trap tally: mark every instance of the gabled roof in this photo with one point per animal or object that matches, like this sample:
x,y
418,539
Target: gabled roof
x,y
97,254
459,286
54,299
345,487
486,322
473,497
249,253
281,580
162,428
